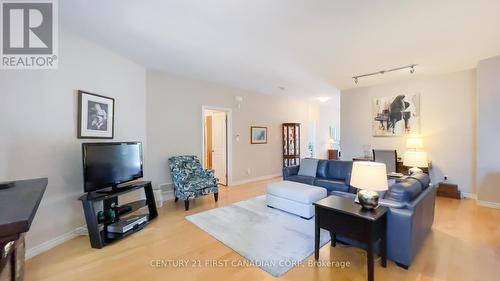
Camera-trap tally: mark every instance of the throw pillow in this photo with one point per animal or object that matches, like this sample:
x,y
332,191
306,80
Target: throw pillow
x,y
308,167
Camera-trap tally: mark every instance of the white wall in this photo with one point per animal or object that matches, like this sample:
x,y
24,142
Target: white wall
x,y
488,130
38,125
174,124
329,116
447,125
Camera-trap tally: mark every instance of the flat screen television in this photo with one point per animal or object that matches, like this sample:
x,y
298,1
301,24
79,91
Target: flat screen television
x,y
109,164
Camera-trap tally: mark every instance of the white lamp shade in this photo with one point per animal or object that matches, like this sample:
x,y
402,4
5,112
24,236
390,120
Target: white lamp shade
x,y
416,159
414,142
369,175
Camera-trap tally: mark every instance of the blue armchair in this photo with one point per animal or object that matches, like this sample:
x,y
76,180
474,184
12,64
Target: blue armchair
x,y
191,180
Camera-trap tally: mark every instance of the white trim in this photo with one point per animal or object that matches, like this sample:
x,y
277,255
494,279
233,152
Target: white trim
x,y
240,182
469,195
166,186
489,204
167,195
229,135
47,245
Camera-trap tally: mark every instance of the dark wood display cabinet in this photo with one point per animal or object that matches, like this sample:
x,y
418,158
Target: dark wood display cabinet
x,y
291,144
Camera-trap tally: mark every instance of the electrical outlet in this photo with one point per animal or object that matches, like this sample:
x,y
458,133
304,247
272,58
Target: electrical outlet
x,y
249,171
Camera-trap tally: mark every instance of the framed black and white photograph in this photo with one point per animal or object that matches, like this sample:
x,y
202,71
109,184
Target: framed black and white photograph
x,y
95,116
258,135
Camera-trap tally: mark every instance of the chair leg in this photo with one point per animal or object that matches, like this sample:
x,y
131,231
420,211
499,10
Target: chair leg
x,y
186,204
216,196
176,199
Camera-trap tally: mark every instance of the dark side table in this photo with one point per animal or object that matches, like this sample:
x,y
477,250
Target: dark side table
x,y
341,216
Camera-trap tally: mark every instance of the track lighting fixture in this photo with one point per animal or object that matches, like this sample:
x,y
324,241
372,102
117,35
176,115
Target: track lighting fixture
x,y
411,67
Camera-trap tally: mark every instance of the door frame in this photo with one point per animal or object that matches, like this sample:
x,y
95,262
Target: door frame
x,y
229,138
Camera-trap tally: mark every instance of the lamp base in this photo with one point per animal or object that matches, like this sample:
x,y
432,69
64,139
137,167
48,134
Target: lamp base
x,y
415,170
368,199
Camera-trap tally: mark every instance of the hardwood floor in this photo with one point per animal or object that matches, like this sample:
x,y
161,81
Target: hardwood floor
x,y
464,245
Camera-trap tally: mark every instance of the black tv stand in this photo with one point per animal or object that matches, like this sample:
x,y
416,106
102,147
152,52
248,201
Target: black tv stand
x,y
98,235
116,188
105,191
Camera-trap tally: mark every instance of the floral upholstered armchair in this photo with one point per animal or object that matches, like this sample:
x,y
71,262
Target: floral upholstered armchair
x,y
191,180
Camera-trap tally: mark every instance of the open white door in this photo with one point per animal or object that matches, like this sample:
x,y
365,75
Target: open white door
x,y
219,138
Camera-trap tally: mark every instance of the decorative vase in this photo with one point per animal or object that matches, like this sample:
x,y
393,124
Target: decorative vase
x,y
368,199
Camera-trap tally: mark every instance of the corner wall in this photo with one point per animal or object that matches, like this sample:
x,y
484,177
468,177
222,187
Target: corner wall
x,y
448,127
174,124
329,116
38,123
488,132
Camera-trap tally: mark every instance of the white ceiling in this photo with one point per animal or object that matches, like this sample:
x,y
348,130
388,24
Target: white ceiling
x,y
310,47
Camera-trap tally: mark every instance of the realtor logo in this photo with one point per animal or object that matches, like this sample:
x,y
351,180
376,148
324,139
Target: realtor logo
x,y
29,34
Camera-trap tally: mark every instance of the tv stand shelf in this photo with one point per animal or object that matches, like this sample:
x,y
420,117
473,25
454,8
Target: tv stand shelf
x,y
98,234
135,206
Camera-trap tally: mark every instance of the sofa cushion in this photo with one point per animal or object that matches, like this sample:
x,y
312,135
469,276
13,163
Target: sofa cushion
x,y
322,169
332,185
339,170
301,179
308,167
404,191
423,178
290,171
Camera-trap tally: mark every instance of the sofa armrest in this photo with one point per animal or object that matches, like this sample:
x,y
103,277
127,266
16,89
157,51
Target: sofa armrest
x,y
348,179
428,194
392,204
290,171
408,227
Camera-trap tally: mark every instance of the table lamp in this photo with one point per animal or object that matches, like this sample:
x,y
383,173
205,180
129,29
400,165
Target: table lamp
x,y
414,143
416,160
369,177
331,143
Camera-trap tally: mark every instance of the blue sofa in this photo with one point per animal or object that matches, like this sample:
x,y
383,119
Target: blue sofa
x,y
410,201
332,175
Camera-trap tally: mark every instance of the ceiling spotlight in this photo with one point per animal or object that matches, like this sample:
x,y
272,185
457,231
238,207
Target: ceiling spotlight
x,y
356,80
412,69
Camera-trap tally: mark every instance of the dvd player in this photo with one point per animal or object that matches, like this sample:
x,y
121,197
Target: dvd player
x,y
127,224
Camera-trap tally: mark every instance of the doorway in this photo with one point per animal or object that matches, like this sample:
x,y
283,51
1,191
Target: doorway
x,y
215,140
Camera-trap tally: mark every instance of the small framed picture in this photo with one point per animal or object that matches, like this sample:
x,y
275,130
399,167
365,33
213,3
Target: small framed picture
x,y
95,116
258,135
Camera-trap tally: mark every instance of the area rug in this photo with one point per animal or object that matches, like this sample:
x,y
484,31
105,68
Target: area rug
x,y
271,239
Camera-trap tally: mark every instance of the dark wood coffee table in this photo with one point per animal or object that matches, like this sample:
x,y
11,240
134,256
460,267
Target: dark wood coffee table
x,y
341,216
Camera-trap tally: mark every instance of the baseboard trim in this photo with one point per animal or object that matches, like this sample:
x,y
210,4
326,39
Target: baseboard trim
x,y
167,195
166,186
240,182
47,245
489,204
469,195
